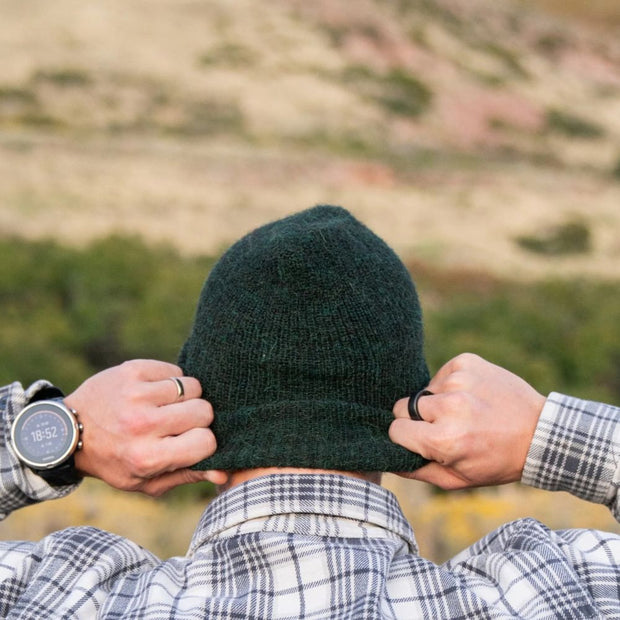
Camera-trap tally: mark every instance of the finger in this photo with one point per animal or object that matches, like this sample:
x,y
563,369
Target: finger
x,y
186,449
441,375
166,391
456,374
165,482
438,475
413,435
152,370
401,409
178,418
426,408
216,476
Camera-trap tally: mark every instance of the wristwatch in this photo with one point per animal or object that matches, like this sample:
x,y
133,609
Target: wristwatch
x,y
45,436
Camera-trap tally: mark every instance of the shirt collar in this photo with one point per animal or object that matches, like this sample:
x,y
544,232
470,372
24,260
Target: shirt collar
x,y
309,504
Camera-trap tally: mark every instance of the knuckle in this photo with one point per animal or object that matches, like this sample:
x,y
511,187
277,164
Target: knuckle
x,y
453,400
141,462
445,446
131,368
435,445
131,397
466,359
174,368
153,490
203,410
208,412
192,384
400,406
129,485
123,481
457,381
462,403
464,363
398,427
136,422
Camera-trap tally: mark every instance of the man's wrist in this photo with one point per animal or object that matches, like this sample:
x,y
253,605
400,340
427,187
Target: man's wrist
x,y
572,449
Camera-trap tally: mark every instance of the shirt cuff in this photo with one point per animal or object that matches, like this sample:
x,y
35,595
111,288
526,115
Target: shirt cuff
x,y
576,449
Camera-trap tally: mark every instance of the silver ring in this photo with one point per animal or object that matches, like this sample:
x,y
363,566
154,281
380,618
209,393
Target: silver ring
x,y
180,388
414,413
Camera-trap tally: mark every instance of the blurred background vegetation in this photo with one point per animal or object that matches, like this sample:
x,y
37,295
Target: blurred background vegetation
x,y
481,139
85,309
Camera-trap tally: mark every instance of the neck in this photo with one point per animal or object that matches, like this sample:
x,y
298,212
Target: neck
x,y
243,475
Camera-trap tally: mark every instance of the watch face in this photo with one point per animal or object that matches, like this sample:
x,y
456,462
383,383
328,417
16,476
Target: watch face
x,y
44,435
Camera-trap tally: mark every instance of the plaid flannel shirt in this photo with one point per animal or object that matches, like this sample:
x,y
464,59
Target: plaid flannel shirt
x,y
330,546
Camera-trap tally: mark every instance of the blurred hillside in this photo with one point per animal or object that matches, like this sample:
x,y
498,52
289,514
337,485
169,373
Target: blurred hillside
x,y
604,14
456,129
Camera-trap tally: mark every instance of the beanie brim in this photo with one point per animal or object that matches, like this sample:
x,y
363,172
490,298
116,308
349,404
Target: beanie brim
x,y
317,434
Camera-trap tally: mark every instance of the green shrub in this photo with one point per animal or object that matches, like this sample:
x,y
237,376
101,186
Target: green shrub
x,y
231,55
398,91
572,126
205,118
68,313
13,95
572,237
559,335
404,94
63,77
508,58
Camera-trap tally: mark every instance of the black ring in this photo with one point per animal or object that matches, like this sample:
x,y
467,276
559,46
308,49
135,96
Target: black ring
x,y
414,414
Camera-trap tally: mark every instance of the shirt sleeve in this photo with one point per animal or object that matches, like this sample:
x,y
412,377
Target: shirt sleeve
x,y
19,486
576,448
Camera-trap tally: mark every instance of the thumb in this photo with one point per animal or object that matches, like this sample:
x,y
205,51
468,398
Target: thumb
x,y
438,475
165,482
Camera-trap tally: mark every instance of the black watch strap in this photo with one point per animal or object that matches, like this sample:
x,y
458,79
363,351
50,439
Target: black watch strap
x,y
65,473
61,475
49,392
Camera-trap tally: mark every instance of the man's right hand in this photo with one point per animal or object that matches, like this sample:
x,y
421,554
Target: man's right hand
x,y
477,426
138,436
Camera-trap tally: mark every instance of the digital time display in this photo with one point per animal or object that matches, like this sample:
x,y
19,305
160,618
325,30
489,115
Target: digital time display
x,y
43,436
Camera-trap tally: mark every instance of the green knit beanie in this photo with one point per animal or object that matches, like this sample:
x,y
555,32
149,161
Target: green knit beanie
x,y
306,333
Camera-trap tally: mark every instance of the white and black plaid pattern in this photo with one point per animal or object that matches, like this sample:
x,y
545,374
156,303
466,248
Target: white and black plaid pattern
x,y
576,448
311,546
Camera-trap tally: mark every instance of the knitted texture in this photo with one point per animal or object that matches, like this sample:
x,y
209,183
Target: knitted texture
x,y
306,333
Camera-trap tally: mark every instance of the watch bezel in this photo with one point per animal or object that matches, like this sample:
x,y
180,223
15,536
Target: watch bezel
x,y
74,425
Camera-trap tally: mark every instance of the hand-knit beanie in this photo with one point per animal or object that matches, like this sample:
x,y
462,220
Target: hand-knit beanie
x,y
306,332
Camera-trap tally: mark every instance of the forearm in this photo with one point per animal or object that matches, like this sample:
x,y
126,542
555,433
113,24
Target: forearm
x,y
576,448
19,486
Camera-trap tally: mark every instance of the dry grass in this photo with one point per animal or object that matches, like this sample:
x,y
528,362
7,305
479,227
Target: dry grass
x,y
601,13
200,198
